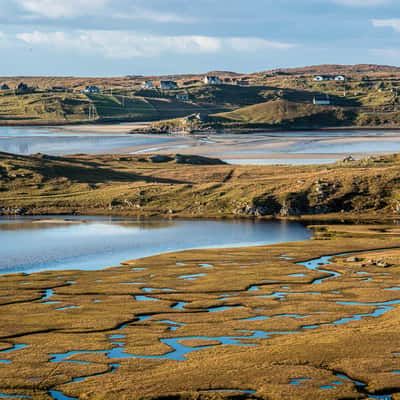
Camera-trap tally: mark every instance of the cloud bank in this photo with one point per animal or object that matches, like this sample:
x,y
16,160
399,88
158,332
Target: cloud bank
x,y
126,44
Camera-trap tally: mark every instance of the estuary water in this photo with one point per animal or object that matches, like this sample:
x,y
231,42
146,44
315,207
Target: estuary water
x,y
58,142
296,148
32,244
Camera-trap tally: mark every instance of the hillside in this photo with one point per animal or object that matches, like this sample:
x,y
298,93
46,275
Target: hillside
x,y
338,68
176,186
368,97
281,112
68,108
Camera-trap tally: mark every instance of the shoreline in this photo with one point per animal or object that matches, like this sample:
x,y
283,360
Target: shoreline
x,y
312,219
88,126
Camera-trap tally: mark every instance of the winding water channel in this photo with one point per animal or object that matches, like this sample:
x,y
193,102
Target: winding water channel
x,y
179,351
165,236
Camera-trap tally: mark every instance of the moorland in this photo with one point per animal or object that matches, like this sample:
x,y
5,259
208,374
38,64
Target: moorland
x,y
194,186
277,99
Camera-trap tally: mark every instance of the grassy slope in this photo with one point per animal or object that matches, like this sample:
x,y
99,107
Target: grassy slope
x,y
131,185
42,108
373,87
64,108
280,112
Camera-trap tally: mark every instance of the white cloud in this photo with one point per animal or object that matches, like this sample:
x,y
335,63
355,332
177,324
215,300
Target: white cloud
x,y
55,9
139,13
127,44
62,8
393,23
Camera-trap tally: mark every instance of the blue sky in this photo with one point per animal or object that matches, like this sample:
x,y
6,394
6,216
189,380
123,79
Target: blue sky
x,y
121,37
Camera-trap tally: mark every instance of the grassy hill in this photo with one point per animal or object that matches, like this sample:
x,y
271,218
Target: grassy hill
x,y
369,97
136,186
282,112
65,108
42,108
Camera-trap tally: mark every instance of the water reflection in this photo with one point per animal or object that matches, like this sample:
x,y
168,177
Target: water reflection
x,y
94,243
57,142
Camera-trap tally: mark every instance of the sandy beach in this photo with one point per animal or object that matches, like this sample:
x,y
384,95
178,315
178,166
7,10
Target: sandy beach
x,y
103,128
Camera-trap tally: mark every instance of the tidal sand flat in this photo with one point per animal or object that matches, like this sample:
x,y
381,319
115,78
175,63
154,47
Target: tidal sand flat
x,y
58,141
308,147
135,330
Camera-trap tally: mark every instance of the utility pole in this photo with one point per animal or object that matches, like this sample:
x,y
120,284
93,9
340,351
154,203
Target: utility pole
x,y
92,112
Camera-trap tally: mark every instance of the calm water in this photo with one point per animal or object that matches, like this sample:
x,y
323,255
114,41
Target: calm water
x,y
323,145
281,161
32,244
57,142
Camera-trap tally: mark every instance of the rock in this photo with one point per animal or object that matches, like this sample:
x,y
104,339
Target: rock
x,y
378,263
348,159
382,264
295,204
353,259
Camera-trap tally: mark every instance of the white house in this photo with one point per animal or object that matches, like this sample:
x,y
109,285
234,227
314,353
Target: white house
x,y
148,85
321,78
322,100
212,80
168,85
182,97
91,89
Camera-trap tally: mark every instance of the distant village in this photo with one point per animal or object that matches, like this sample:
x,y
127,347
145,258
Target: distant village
x,y
180,89
167,85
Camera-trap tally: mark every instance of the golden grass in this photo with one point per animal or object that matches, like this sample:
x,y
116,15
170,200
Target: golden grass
x,y
363,349
133,186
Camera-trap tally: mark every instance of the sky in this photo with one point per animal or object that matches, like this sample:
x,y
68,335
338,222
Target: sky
x,y
146,37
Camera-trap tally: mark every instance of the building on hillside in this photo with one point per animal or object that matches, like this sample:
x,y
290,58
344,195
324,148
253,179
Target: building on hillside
x,y
212,80
22,88
148,85
242,82
321,78
91,89
183,97
168,85
324,78
58,89
4,86
322,100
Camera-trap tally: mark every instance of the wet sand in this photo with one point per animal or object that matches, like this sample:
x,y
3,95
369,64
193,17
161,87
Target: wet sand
x,y
126,127
269,147
281,146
